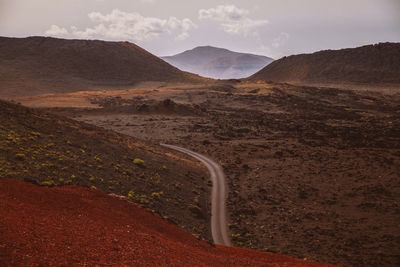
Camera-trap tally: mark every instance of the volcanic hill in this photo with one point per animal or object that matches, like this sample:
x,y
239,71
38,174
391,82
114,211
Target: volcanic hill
x,y
370,64
218,63
38,65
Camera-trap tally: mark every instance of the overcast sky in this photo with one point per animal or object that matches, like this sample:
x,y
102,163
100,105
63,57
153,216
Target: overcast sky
x,y
164,27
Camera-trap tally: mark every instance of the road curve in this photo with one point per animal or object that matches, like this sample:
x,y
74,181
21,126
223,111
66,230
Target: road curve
x,y
219,229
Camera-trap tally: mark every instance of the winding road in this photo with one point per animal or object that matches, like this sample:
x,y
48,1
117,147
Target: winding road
x,y
219,229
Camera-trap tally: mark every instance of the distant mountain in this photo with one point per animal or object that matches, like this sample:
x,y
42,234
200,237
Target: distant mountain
x,y
373,64
218,63
35,65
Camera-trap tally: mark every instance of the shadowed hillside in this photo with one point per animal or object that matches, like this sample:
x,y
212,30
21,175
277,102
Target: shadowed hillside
x,y
372,64
36,65
218,63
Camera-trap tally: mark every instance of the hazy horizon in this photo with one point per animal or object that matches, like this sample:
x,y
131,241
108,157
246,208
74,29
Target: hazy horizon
x,y
164,28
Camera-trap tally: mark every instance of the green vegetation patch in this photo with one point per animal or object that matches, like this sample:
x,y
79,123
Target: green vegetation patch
x,y
139,162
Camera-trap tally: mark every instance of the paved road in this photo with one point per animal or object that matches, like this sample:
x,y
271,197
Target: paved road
x,y
219,229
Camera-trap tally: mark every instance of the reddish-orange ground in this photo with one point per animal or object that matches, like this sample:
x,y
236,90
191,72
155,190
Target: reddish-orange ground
x,y
68,226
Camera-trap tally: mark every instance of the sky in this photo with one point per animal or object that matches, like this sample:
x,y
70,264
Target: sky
x,y
273,28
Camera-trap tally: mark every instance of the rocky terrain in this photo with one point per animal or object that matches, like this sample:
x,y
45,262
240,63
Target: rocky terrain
x,y
377,64
75,226
218,63
38,65
312,171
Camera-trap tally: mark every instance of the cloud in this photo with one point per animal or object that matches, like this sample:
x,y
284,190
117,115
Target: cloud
x,y
223,13
56,31
280,40
232,19
120,25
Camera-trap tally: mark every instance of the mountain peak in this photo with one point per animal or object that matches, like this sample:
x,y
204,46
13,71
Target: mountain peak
x,y
216,62
209,47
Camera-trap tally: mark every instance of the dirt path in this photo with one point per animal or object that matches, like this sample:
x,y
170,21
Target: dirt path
x,y
218,196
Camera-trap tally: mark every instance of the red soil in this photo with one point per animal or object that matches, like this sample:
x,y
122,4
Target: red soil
x,y
69,226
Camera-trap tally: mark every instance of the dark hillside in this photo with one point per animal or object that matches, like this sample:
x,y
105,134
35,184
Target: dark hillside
x,y
370,64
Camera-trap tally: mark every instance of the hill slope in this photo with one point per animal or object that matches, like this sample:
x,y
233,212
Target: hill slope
x,y
36,65
218,63
374,64
74,226
51,150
